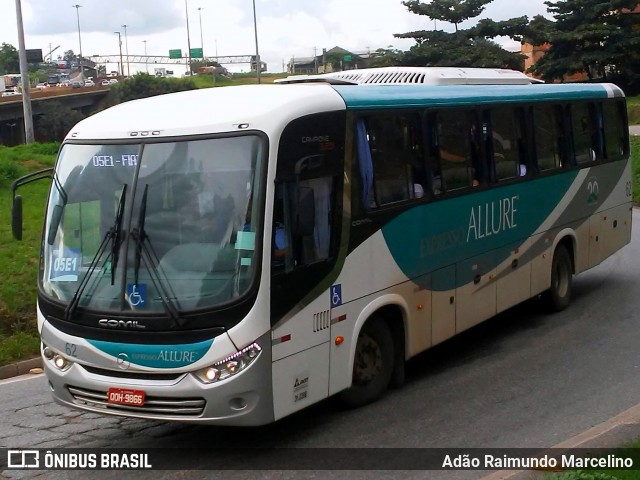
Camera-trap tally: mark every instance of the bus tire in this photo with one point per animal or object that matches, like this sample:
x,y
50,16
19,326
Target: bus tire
x,y
373,364
558,297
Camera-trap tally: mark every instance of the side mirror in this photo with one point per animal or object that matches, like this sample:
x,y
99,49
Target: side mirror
x,y
305,212
16,217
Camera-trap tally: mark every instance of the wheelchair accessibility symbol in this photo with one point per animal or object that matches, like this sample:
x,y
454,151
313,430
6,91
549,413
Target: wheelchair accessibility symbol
x,y
137,295
336,295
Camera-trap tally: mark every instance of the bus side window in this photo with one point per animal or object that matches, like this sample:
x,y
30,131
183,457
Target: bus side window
x,y
290,249
397,164
586,132
434,172
506,136
281,237
548,137
459,142
615,135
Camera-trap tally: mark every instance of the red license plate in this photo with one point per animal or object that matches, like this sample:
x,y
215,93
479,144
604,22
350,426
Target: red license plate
x,y
125,396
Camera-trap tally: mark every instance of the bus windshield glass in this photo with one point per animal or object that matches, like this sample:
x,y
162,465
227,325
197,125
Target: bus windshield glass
x,y
157,228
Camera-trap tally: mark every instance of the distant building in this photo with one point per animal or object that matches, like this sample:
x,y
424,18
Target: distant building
x,y
334,59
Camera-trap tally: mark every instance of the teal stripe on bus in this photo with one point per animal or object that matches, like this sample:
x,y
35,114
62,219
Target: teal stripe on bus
x,y
155,356
414,96
485,225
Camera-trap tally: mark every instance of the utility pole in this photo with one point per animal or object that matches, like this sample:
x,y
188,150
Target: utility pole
x,y
24,79
126,44
120,46
186,8
146,60
201,37
255,29
77,7
315,60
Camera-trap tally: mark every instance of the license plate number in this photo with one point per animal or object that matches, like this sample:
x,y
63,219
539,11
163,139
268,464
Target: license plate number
x,y
125,396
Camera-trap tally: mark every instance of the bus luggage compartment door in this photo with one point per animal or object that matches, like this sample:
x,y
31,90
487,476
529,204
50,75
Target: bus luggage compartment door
x,y
476,291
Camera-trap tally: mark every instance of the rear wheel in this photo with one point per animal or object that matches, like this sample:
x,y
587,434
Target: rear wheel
x,y
372,364
558,297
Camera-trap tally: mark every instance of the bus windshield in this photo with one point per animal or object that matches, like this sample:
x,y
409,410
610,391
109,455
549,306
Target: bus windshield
x,y
153,226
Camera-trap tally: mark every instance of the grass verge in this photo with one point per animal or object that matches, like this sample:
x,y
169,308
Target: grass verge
x,y
19,260
631,450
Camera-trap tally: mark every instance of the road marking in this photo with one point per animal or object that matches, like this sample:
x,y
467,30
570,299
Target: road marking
x,y
27,376
630,416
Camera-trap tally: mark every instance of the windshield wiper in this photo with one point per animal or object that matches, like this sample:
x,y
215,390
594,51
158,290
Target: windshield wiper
x,y
143,245
115,245
113,235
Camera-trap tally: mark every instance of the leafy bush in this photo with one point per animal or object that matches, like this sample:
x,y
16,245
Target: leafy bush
x,y
582,475
9,171
143,85
56,121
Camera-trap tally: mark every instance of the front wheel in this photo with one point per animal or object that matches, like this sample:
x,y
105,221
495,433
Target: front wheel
x,y
372,364
558,297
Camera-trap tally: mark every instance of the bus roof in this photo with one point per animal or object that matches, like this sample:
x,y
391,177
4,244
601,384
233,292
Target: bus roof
x,y
418,76
208,110
270,107
406,96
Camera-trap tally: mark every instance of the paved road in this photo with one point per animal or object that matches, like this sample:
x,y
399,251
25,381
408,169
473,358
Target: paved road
x,y
523,379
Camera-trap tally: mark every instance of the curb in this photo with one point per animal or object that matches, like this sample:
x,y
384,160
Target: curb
x,y
612,433
19,368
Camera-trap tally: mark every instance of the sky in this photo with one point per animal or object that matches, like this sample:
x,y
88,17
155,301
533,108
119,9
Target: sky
x,y
286,28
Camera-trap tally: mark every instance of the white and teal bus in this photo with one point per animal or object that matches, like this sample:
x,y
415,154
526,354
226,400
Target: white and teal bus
x,y
233,255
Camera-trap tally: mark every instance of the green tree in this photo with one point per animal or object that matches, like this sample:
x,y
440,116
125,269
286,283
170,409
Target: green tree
x,y
69,56
9,59
539,30
596,37
386,57
142,85
472,47
452,11
55,122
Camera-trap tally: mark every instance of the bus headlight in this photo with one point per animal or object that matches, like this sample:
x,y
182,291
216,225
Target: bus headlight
x,y
229,366
58,361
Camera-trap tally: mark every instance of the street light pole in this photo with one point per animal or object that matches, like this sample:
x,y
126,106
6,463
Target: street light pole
x,y
255,29
120,45
77,7
201,37
24,79
146,60
186,8
126,44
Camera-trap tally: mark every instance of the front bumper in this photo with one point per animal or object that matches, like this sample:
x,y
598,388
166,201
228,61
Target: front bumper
x,y
245,399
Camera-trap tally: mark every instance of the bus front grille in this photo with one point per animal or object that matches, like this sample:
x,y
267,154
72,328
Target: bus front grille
x,y
168,406
132,375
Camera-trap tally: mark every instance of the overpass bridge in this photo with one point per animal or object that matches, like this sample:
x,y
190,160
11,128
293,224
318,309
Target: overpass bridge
x,y
162,60
12,115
